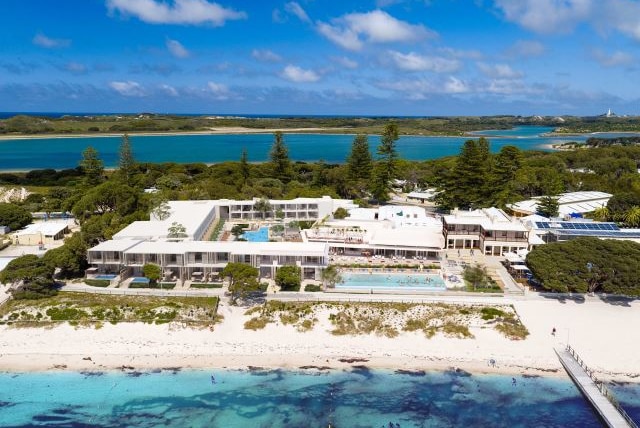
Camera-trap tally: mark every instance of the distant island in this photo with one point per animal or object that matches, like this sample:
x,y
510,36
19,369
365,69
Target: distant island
x,y
38,124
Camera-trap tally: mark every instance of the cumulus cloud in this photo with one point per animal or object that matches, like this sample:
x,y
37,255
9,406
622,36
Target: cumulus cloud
x,y
346,62
265,55
128,88
455,86
526,48
499,71
614,59
422,88
177,49
219,91
295,9
49,43
186,12
546,16
351,31
415,62
296,74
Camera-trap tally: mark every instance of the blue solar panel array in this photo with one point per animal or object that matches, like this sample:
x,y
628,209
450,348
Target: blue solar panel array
x,y
600,233
574,225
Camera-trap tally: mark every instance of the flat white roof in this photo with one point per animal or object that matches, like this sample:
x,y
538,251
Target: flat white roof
x,y
233,247
48,228
115,245
573,202
488,218
415,237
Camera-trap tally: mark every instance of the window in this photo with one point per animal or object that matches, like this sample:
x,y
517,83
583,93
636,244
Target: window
x,y
198,257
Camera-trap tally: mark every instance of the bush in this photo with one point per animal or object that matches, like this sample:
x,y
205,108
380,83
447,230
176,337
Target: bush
x,y
205,285
288,278
313,288
97,282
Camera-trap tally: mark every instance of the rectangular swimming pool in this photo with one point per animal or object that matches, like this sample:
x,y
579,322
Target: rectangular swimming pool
x,y
395,281
139,280
260,235
105,276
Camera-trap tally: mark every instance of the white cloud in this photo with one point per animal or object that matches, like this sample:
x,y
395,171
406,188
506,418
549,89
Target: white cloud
x,y
169,90
455,86
617,58
219,91
47,42
265,55
526,48
295,9
505,87
346,62
128,88
176,12
499,71
623,15
546,16
177,49
296,74
415,62
465,54
376,26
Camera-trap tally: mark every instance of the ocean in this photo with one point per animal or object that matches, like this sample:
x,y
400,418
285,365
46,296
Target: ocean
x,y
358,397
61,153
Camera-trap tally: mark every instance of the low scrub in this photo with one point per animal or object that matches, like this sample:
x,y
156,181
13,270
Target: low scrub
x,y
97,282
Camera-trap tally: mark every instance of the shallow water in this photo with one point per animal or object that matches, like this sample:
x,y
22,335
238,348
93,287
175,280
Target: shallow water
x,y
356,398
58,153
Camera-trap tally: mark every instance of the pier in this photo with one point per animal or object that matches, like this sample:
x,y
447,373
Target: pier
x,y
596,392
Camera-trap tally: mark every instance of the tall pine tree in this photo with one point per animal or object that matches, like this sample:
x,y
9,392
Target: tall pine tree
x,y
245,168
386,165
126,161
92,167
359,161
279,156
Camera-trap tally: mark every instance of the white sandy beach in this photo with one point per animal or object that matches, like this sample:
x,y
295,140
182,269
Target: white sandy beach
x,y
605,335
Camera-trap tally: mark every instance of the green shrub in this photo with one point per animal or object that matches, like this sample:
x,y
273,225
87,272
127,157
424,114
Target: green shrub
x,y
97,282
313,288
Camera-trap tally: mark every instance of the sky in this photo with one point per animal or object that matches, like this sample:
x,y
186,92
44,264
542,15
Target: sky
x,y
321,57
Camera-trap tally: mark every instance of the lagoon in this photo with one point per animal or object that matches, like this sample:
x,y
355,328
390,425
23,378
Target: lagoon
x,y
65,152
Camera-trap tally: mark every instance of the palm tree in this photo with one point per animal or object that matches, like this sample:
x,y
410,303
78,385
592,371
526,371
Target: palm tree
x,y
601,214
330,276
632,217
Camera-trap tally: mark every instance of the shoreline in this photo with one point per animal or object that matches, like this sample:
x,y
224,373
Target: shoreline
x,y
609,346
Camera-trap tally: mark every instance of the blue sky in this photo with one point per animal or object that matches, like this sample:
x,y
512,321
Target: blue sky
x,y
342,57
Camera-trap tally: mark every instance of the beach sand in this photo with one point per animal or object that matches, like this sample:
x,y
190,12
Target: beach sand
x,y
605,335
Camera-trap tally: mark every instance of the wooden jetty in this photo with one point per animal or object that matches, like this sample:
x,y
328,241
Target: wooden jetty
x,y
596,392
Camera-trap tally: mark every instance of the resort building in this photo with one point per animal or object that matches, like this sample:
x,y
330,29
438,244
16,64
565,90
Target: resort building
x,y
189,260
41,233
402,232
490,230
290,209
574,203
553,230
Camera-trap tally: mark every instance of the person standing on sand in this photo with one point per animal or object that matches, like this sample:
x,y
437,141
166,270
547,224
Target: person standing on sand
x,y
553,331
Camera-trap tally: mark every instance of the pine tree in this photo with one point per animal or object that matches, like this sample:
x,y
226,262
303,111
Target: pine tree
x,y
245,168
506,165
92,166
279,156
385,169
359,161
548,206
126,161
468,185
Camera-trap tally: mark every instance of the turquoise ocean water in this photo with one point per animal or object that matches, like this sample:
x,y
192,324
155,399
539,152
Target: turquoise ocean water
x,y
59,153
355,398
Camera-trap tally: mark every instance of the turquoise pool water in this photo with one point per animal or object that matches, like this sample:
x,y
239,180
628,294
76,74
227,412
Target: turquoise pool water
x,y
140,280
105,276
392,280
260,235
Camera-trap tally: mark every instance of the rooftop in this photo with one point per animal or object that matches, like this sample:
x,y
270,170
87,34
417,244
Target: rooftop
x,y
569,203
48,228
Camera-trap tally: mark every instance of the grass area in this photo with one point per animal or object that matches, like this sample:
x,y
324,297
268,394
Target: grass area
x,y
206,285
95,309
97,282
390,319
157,285
313,288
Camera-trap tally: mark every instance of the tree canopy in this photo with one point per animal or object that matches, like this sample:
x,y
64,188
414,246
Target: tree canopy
x,y
279,156
92,166
14,216
243,280
386,166
30,276
288,278
588,264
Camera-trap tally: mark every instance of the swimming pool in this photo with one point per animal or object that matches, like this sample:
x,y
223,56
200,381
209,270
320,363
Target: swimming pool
x,y
105,276
392,281
260,235
139,280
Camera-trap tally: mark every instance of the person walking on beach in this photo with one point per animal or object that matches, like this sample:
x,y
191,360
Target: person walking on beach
x,y
553,331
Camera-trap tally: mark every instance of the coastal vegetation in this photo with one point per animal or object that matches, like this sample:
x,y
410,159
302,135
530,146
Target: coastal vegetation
x,y
588,265
388,319
96,309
